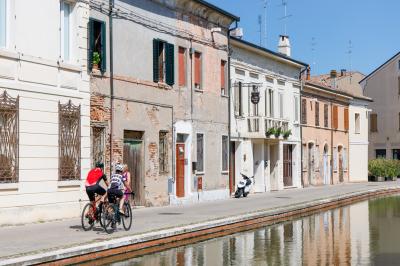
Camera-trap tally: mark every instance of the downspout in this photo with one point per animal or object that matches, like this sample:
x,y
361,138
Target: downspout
x,y
301,127
332,142
110,21
229,97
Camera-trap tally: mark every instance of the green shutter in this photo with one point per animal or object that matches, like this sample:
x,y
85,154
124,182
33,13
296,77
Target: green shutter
x,y
103,55
169,64
90,44
156,45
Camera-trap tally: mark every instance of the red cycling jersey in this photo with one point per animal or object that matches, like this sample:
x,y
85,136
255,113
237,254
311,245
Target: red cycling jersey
x,y
94,176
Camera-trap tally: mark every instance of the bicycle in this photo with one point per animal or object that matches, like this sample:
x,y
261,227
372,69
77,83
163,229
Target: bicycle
x,y
92,214
111,215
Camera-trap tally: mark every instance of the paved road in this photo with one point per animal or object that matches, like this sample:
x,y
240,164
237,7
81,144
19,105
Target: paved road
x,y
53,235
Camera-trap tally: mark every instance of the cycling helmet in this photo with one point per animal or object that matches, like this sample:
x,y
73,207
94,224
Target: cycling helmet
x,y
119,167
99,165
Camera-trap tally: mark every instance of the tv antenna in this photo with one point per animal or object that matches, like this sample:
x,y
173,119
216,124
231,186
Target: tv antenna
x,y
286,16
262,19
260,30
313,48
350,52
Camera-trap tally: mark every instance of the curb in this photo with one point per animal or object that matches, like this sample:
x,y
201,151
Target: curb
x,y
215,228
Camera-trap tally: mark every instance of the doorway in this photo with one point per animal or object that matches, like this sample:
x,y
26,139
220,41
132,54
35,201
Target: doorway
x,y
340,152
310,163
287,165
180,170
133,157
326,165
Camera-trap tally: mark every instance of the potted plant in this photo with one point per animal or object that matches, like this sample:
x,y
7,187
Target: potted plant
x,y
270,131
286,133
277,132
377,169
96,60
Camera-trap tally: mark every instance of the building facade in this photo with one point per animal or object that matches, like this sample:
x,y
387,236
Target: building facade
x,y
383,86
265,115
325,135
44,109
159,97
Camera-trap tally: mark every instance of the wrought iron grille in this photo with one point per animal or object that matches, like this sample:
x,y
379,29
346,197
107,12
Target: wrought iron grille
x,y
8,138
98,143
69,141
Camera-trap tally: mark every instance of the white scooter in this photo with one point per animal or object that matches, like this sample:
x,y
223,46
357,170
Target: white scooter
x,y
244,186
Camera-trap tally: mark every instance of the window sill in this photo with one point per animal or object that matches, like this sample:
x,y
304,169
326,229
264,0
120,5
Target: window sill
x,y
225,172
69,184
9,186
224,96
200,173
97,73
199,90
68,66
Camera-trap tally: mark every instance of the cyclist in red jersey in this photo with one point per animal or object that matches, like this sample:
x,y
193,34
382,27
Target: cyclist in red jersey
x,y
93,183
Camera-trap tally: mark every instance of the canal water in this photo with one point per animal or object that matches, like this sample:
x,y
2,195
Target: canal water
x,y
365,233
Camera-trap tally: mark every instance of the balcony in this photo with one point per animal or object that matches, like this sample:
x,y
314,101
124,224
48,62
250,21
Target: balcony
x,y
257,126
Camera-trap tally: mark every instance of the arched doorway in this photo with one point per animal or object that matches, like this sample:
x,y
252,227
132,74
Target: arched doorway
x,y
310,163
326,165
340,169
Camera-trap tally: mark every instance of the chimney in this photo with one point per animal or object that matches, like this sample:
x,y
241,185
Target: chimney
x,y
284,45
308,73
342,72
333,78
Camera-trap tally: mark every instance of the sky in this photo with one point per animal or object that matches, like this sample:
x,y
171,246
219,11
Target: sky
x,y
320,31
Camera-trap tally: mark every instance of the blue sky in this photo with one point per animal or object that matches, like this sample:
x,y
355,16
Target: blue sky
x,y
373,26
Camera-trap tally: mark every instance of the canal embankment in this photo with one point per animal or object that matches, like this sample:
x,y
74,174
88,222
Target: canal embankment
x,y
63,242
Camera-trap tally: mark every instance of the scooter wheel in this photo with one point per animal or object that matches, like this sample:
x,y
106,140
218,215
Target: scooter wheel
x,y
245,194
238,193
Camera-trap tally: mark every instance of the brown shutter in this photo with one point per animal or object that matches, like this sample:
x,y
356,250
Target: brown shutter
x,y
197,69
182,67
346,119
304,111
335,117
326,115
317,114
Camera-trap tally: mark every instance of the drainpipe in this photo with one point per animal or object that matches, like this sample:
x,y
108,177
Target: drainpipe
x,y
111,6
301,128
229,96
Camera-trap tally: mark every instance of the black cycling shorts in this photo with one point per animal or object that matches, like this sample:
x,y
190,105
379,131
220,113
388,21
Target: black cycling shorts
x,y
95,189
114,192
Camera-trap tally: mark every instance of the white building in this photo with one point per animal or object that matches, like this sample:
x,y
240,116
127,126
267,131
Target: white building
x,y
44,109
274,161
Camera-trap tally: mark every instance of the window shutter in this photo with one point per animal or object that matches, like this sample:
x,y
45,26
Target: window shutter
x,y
346,119
304,111
317,114
182,67
222,74
197,68
156,45
90,44
169,64
335,117
236,99
103,47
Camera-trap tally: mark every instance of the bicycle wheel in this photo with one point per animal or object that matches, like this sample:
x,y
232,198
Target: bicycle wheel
x,y
87,217
127,218
108,219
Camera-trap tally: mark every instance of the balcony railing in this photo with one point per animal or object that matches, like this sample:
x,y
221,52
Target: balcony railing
x,y
276,123
257,126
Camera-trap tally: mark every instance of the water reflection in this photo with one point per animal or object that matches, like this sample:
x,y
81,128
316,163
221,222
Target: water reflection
x,y
361,234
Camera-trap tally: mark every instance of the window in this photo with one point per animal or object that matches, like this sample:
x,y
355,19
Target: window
x,y
182,66
197,71
335,117
326,116
357,123
374,122
69,141
255,106
224,153
253,75
271,102
9,124
281,103
223,78
163,152
317,114
200,152
304,111
65,30
335,156
238,99
380,153
163,62
281,82
97,45
240,72
269,80
346,118
296,109
396,154
98,143
3,23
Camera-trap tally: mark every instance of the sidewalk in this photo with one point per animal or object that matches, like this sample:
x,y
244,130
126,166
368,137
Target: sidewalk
x,y
36,238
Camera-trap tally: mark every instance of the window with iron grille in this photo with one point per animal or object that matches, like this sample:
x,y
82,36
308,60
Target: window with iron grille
x,y
317,114
8,138
224,153
163,152
326,115
200,153
304,111
69,141
98,144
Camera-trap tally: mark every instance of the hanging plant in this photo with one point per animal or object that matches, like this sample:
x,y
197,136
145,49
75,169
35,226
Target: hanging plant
x,y
277,132
286,133
270,131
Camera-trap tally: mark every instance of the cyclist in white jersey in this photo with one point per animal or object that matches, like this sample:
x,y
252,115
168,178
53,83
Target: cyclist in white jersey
x,y
117,186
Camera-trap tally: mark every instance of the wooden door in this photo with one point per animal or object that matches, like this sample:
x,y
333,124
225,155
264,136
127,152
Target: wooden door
x,y
287,165
133,158
180,170
232,169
